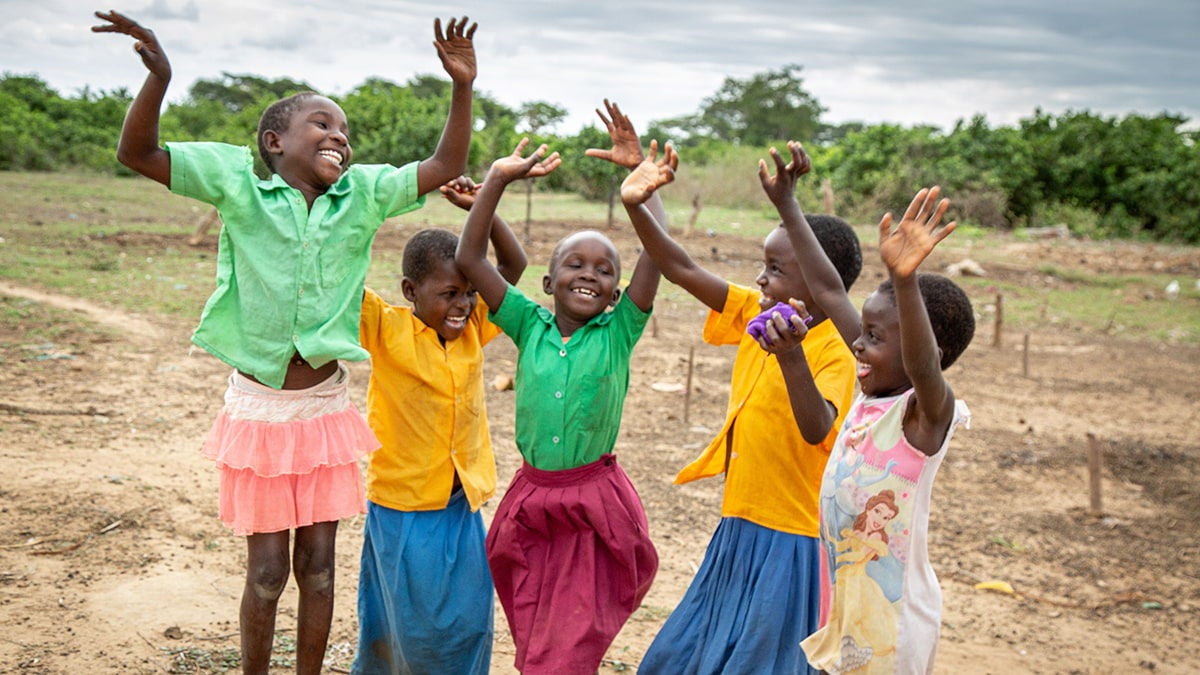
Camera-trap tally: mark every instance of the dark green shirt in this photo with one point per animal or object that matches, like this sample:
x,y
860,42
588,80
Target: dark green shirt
x,y
569,396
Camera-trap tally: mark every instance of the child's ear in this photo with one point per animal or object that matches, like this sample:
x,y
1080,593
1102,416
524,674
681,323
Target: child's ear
x,y
547,285
409,289
616,297
272,142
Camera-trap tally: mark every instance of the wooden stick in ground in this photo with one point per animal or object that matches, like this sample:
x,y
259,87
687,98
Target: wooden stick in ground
x,y
1095,506
687,390
999,320
1025,357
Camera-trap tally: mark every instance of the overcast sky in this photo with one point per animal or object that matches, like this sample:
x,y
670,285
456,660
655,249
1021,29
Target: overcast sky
x,y
871,61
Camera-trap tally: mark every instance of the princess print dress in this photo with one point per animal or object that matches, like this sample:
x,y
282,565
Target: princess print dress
x,y
880,599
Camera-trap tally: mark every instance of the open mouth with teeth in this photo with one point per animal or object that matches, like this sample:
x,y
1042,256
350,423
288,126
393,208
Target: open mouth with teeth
x,y
587,292
456,322
333,156
863,369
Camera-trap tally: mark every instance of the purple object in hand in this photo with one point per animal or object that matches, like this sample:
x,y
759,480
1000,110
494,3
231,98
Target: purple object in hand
x,y
757,328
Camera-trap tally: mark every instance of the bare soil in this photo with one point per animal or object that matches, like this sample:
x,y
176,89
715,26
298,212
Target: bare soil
x,y
112,559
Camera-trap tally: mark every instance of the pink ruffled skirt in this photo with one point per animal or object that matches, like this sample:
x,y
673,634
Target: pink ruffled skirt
x,y
288,458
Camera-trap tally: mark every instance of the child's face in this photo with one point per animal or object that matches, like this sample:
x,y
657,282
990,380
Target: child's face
x,y
315,148
585,277
880,362
780,278
444,299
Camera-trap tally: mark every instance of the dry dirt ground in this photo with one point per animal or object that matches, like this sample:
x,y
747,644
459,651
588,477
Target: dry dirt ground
x,y
112,559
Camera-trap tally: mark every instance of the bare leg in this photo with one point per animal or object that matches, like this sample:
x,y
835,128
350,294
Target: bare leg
x,y
313,563
266,576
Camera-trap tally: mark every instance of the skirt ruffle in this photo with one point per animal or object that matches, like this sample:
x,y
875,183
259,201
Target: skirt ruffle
x,y
272,449
288,458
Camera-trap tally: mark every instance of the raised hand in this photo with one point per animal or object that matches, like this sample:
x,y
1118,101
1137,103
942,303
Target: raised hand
x,y
782,186
626,150
650,175
460,192
905,247
515,166
147,46
456,49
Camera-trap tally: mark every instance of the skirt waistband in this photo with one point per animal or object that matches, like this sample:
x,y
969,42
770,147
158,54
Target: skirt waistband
x,y
568,477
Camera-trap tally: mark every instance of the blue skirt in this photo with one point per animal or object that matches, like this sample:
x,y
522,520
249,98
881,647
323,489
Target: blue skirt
x,y
755,597
424,592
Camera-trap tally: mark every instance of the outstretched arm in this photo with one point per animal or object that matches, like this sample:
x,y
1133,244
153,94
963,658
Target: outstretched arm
x,y
138,148
820,275
510,257
456,49
903,249
674,262
472,244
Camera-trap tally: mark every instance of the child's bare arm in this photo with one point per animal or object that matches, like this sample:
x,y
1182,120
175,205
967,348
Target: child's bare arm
x,y
814,414
510,257
903,249
671,258
138,148
819,273
472,244
456,49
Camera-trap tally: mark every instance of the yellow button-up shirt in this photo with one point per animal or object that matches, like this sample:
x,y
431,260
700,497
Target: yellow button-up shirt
x,y
774,475
426,403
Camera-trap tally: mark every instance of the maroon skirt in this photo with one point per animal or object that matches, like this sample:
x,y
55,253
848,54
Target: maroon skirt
x,y
571,559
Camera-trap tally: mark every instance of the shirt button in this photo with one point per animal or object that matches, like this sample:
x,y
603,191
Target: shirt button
x,y
302,292
306,245
555,439
558,394
295,338
562,352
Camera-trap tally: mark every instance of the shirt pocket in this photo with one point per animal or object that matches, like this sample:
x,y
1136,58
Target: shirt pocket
x,y
597,396
341,255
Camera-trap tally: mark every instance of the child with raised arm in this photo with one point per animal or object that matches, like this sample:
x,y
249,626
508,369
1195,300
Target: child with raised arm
x,y
875,492
569,546
756,594
291,262
424,591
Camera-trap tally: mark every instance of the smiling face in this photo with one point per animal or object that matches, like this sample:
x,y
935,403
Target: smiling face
x,y
443,299
583,277
313,150
780,278
880,362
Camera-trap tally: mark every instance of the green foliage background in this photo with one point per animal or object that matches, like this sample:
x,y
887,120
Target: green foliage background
x,y
1104,177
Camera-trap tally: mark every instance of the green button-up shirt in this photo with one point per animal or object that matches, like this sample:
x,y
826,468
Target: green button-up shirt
x,y
569,396
288,279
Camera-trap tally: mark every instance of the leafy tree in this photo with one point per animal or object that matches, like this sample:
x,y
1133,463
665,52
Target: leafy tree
x,y
765,107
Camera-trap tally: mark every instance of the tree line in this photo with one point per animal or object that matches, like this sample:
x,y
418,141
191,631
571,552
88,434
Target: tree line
x,y
1130,177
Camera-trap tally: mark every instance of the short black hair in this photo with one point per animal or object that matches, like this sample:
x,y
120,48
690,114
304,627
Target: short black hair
x,y
557,253
278,117
425,250
840,244
950,313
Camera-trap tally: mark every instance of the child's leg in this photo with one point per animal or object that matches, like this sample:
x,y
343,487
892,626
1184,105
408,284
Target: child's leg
x,y
313,563
266,576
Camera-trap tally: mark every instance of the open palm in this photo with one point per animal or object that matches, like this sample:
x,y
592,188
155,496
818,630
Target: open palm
x,y
909,243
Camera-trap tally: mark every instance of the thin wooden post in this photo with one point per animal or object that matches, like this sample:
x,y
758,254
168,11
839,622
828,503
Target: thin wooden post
x,y
1095,505
827,194
1025,357
687,390
999,330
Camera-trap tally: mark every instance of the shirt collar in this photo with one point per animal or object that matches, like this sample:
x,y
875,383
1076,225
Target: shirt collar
x,y
276,182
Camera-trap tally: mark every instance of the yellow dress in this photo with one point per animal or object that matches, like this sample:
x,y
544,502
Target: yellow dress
x,y
860,635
